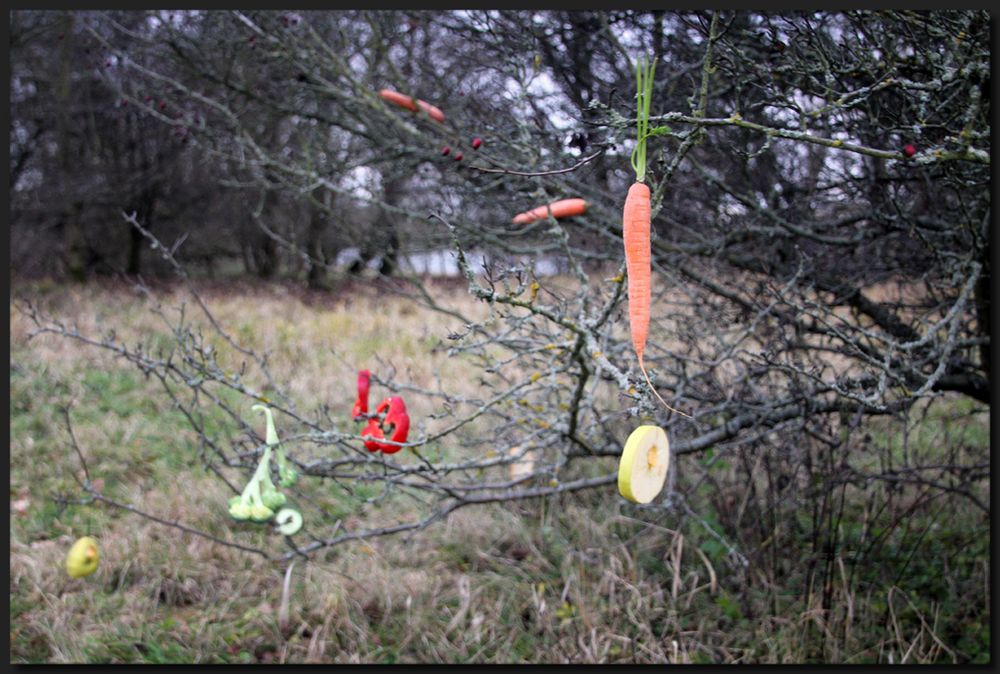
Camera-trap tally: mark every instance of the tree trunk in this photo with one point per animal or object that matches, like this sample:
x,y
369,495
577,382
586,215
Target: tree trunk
x,y
75,248
265,248
316,276
265,255
390,254
392,192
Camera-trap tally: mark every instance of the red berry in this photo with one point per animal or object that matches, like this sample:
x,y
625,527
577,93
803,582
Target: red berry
x,y
62,35
445,150
458,156
163,105
476,142
910,150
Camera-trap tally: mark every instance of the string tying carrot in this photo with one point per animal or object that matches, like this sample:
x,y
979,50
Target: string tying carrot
x,y
636,222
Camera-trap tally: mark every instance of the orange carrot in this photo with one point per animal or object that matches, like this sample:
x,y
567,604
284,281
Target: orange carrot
x,y
635,233
410,103
636,223
432,112
399,99
564,208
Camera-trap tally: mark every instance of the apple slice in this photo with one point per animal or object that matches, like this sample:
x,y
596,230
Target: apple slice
x,y
644,463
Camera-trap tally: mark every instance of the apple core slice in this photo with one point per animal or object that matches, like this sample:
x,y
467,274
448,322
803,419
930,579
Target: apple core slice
x,y
644,464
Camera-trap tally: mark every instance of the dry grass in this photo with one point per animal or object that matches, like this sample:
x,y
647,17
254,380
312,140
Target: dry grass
x,y
578,578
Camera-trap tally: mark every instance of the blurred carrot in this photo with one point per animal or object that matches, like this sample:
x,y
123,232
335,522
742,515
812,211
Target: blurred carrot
x,y
412,104
564,208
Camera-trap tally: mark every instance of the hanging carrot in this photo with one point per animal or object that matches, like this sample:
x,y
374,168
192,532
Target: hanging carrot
x,y
412,104
636,229
564,208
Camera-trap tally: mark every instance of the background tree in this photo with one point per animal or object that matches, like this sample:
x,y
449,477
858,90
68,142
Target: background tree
x,y
91,151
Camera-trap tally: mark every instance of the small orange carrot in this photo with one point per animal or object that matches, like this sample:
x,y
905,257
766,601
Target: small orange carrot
x,y
636,217
412,104
564,208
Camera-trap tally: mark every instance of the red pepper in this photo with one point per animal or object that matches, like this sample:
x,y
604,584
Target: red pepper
x,y
360,410
390,420
396,421
372,430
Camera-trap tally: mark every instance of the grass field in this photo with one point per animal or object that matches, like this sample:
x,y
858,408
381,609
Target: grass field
x,y
575,578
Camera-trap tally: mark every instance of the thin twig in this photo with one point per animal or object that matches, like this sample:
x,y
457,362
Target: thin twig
x,y
553,172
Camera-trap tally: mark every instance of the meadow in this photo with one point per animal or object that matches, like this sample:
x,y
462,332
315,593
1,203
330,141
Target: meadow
x,y
582,577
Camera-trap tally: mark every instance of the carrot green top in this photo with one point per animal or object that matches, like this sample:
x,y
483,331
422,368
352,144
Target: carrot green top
x,y
643,95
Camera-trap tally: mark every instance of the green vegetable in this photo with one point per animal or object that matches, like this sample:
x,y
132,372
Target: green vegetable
x,y
289,521
260,498
261,513
250,504
288,475
273,499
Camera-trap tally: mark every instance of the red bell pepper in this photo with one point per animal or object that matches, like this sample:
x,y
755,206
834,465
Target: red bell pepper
x,y
396,422
360,410
372,430
390,420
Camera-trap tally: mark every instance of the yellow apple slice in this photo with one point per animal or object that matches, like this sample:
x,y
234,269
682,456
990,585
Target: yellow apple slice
x,y
644,463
